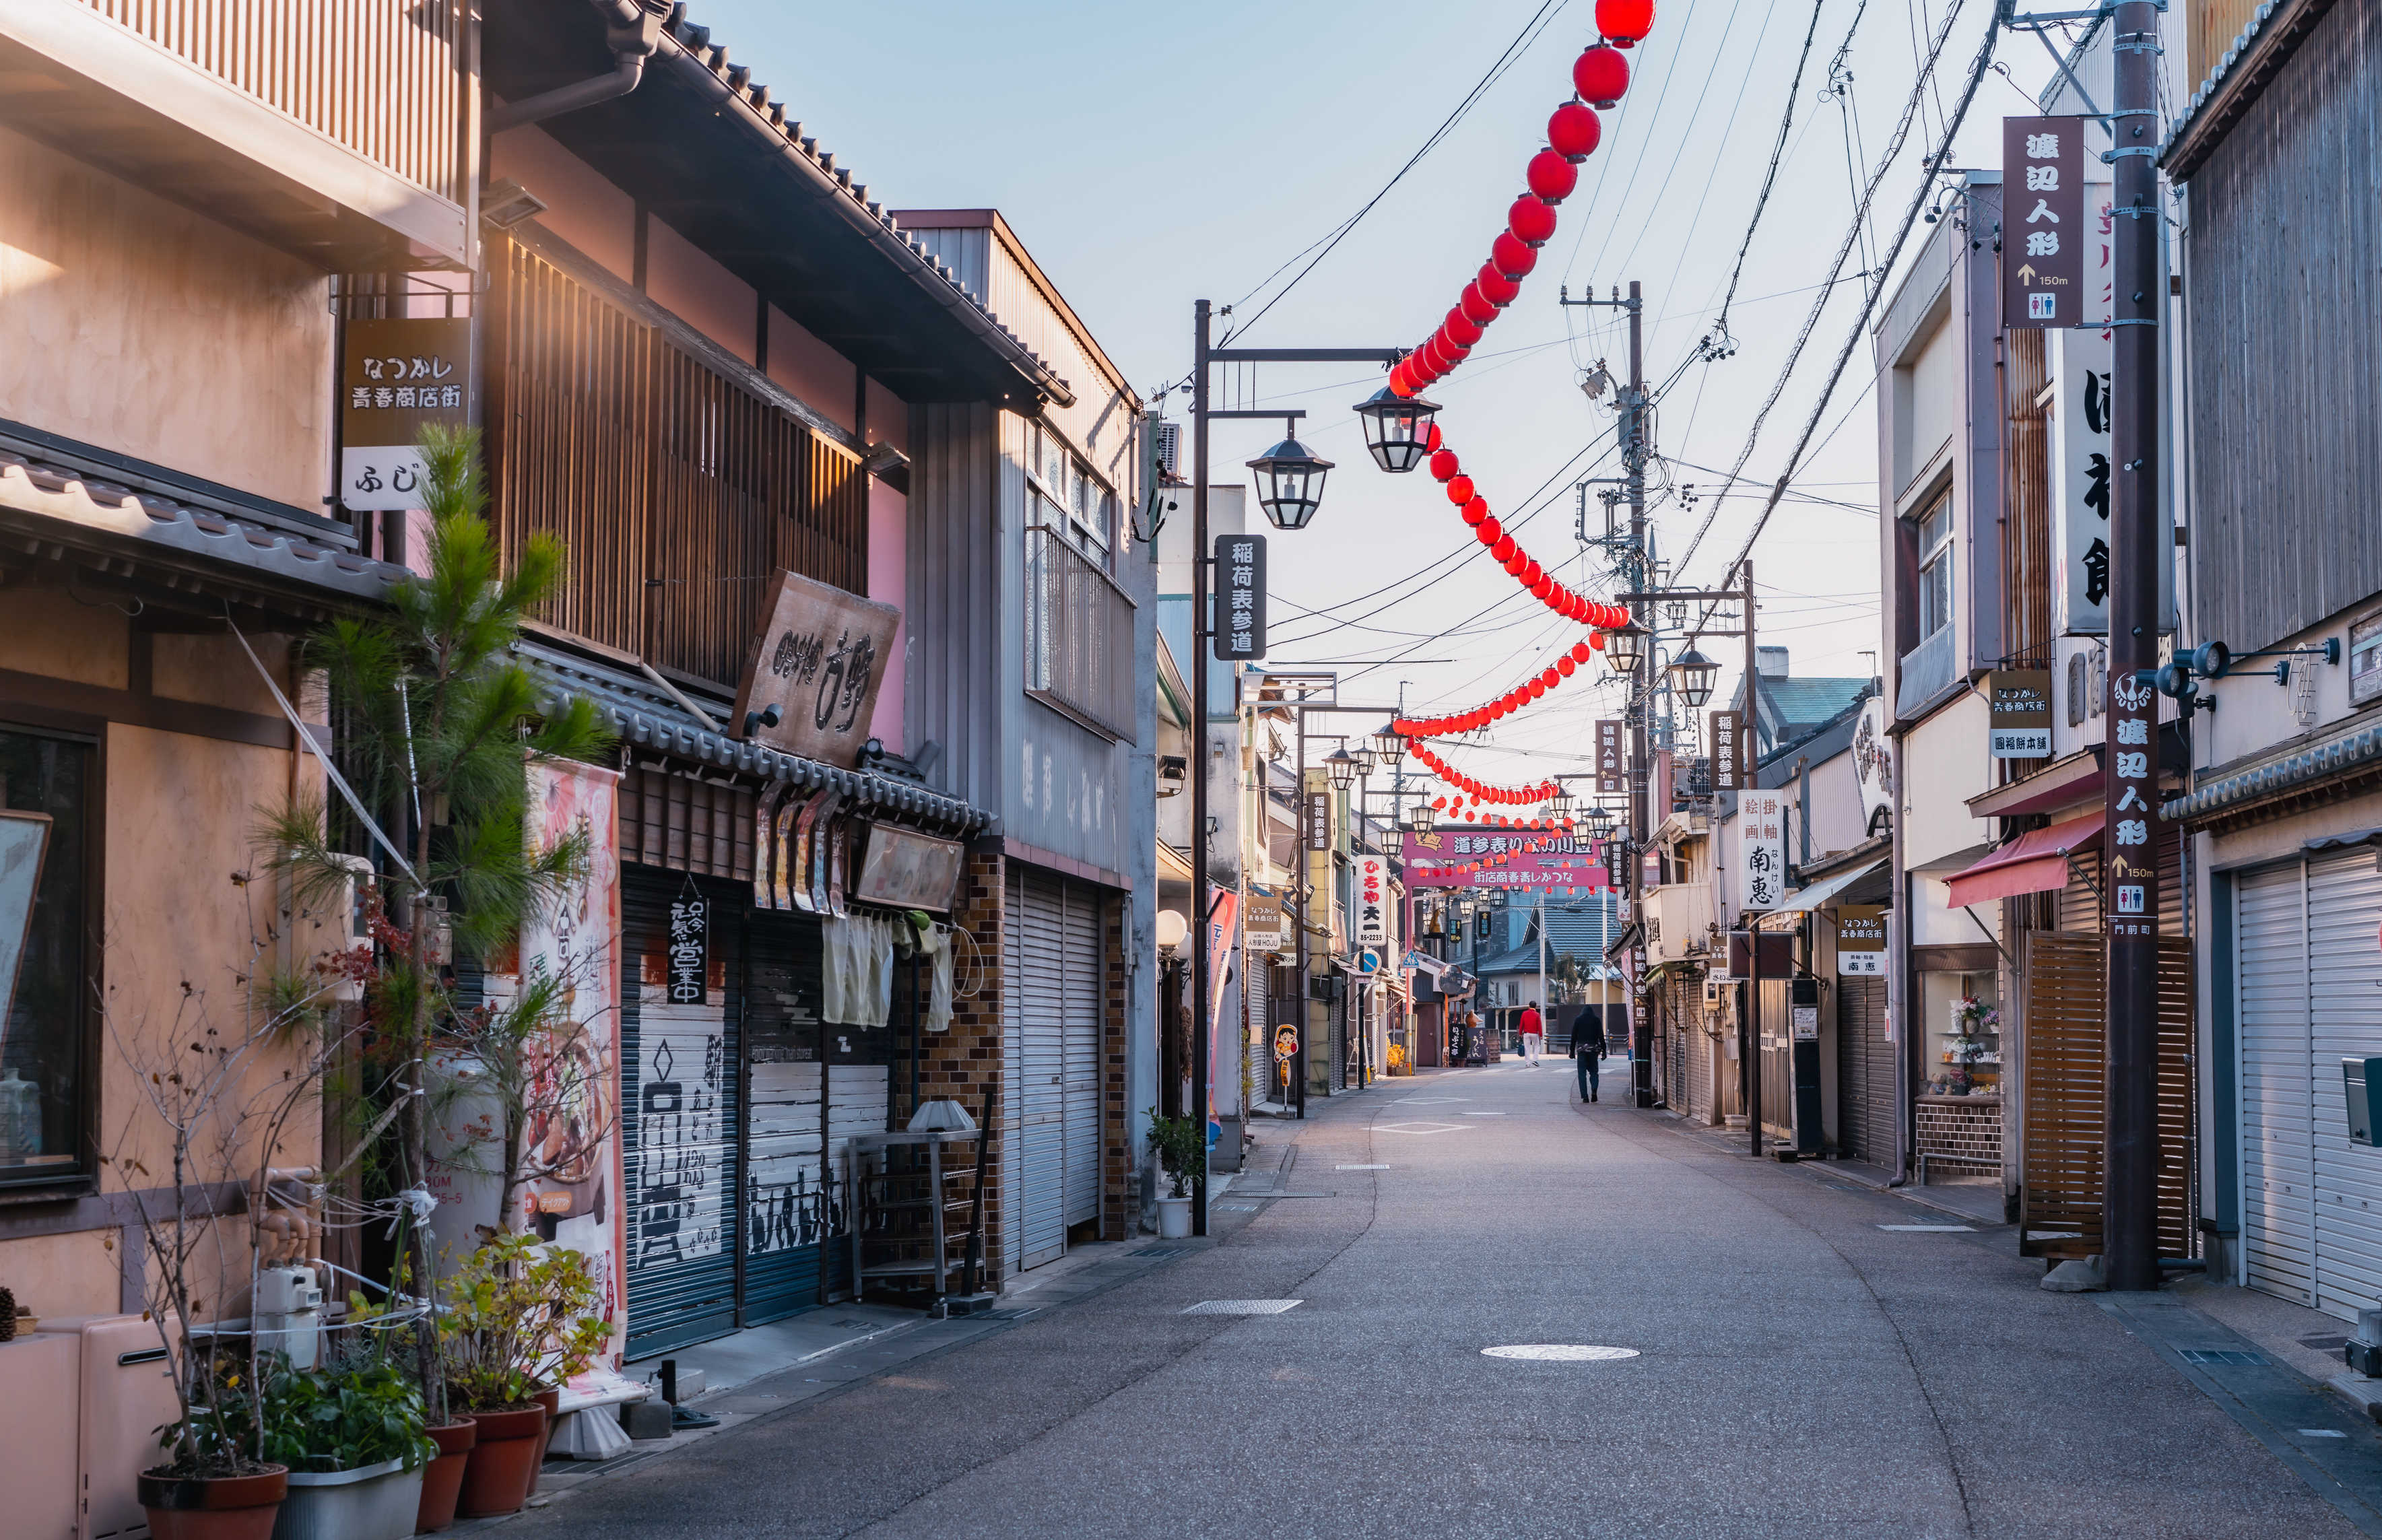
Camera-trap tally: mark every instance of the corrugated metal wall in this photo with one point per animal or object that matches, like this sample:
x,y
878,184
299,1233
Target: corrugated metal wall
x,y
962,665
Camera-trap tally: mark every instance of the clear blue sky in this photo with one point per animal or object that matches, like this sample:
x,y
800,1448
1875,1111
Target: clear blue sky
x,y
1152,155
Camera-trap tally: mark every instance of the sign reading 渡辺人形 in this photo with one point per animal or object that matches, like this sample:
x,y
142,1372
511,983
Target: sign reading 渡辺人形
x,y
818,661
396,377
2043,222
1612,760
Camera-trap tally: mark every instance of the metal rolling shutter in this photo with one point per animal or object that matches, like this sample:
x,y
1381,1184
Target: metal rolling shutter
x,y
1336,1072
787,1197
2344,992
1257,1046
2270,1008
1864,1071
1034,1147
681,1102
1085,1011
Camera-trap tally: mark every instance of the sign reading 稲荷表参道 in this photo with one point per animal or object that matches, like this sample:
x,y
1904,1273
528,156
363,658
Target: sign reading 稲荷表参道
x,y
1727,746
1240,597
2019,703
2043,222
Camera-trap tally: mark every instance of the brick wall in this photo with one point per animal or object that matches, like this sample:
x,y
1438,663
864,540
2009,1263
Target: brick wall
x,y
965,1061
1961,1138
1120,1193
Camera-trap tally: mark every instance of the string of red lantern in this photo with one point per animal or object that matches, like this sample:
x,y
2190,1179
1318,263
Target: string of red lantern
x,y
1415,729
1600,76
1502,858
1507,551
1481,791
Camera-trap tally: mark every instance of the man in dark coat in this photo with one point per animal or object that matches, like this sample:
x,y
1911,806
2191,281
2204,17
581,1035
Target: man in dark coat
x,y
1588,1045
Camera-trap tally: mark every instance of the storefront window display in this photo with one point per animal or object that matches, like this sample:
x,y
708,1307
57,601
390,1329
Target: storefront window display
x,y
1964,1054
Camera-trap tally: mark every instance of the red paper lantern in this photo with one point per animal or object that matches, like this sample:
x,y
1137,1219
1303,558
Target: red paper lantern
x,y
1436,442
1504,548
1529,220
1625,23
1563,666
1551,677
1476,512
1444,465
1476,305
1600,76
1540,590
1574,132
1499,290
1579,651
1551,177
1537,689
1456,352
1459,490
1432,355
1490,530
1515,563
1512,256
1461,328
1596,640
1533,573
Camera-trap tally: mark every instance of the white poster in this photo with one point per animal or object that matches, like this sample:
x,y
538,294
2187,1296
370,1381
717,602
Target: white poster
x,y
1761,849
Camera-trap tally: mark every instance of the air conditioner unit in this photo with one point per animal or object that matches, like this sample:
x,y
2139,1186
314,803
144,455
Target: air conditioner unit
x,y
126,1395
40,1391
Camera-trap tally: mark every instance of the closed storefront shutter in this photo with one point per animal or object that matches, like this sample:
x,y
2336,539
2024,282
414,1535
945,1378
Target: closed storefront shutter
x,y
1257,1050
789,1199
1033,1141
682,1101
2307,979
1864,1071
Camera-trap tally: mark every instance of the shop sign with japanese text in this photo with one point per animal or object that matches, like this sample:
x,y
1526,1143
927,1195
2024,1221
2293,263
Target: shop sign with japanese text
x,y
816,665
1372,880
1440,858
2129,891
1265,925
1761,849
1240,597
2043,222
2020,703
689,960
1611,761
1318,820
1861,941
396,377
1727,745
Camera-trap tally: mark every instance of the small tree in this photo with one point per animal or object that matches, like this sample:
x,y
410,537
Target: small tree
x,y
440,724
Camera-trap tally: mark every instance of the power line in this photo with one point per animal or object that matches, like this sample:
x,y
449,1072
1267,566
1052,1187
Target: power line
x,y
1777,154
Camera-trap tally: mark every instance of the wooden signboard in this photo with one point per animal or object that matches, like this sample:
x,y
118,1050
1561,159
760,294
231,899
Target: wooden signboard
x,y
905,869
811,680
396,376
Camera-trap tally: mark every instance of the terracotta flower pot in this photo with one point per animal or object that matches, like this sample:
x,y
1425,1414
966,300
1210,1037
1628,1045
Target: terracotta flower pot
x,y
442,1479
214,1508
552,1401
497,1472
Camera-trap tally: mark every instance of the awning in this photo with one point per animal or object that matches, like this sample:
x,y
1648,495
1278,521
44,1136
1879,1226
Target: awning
x,y
1819,895
2037,862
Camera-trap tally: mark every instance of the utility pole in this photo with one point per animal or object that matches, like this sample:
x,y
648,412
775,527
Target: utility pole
x,y
1201,915
2130,1194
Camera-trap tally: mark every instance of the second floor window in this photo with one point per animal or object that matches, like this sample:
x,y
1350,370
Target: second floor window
x,y
1063,494
1935,567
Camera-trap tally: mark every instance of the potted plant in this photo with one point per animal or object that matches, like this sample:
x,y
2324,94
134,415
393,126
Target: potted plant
x,y
352,1435
520,1315
1182,1148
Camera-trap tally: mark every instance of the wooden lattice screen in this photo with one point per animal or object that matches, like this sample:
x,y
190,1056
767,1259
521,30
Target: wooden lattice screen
x,y
679,491
2066,1092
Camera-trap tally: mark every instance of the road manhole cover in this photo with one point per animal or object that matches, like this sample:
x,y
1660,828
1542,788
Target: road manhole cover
x,y
1560,1353
1243,1307
1418,1128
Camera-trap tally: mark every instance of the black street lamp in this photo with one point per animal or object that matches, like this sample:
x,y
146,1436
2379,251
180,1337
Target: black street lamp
x,y
1622,646
1290,483
1691,676
1343,766
1397,429
1389,747
1422,818
1560,804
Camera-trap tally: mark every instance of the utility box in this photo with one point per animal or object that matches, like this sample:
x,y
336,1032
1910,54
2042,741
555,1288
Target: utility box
x,y
2361,1082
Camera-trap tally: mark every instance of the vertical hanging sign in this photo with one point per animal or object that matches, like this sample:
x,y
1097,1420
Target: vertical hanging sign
x,y
2018,723
1761,850
1240,597
1727,740
690,949
1318,821
2042,221
2131,889
396,376
1372,900
1612,765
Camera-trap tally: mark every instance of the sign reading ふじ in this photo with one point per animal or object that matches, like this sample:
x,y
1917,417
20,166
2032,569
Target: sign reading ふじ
x,y
811,680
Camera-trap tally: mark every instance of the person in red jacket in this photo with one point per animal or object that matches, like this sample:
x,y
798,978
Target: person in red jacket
x,y
1533,1034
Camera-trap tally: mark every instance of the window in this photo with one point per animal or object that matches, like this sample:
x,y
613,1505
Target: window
x,y
44,974
1063,494
1935,567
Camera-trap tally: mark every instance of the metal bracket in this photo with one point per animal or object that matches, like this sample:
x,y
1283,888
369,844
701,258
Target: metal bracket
x,y
2143,42
2130,213
2127,320
2110,157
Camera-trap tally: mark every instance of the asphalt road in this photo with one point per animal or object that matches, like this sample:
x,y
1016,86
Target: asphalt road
x,y
1800,1371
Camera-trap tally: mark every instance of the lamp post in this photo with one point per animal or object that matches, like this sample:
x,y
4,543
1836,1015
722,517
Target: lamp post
x,y
1291,487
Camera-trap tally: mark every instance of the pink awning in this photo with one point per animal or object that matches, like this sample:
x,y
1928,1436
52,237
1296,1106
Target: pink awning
x,y
2037,862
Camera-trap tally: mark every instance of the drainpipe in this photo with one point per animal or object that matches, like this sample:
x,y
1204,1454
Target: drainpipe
x,y
631,33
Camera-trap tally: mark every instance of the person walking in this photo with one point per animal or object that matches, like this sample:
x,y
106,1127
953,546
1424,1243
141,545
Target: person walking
x,y
1589,1046
1534,1034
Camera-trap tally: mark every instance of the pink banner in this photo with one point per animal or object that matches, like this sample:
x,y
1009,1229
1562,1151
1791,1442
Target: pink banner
x,y
1503,858
1223,913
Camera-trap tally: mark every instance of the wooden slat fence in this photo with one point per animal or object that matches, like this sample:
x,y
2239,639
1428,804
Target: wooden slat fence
x,y
381,77
679,492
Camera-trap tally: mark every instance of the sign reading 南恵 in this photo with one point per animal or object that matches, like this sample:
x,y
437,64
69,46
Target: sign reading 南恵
x,y
1727,743
1612,763
2019,703
689,955
2043,222
1372,900
1861,941
1240,597
1762,848
1318,820
816,665
396,377
2130,889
